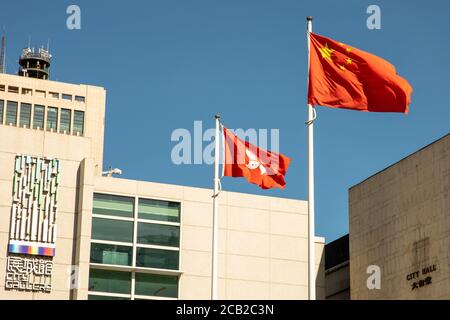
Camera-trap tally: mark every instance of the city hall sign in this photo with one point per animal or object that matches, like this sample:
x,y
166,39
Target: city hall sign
x,y
32,237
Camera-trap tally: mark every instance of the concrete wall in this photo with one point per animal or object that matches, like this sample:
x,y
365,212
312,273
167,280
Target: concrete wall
x,y
70,149
263,241
337,282
400,221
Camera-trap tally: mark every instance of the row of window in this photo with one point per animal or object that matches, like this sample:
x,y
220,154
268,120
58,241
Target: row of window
x,y
132,233
33,116
42,93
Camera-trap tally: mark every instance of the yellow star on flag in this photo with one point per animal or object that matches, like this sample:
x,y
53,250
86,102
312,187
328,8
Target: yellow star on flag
x,y
348,61
326,52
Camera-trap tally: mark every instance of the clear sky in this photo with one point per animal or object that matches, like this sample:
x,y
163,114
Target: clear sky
x,y
168,63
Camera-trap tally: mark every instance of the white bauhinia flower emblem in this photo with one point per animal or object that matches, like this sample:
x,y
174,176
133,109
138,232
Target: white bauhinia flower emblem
x,y
254,162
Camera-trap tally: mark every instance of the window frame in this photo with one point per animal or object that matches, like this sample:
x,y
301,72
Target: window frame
x,y
61,111
25,125
2,111
34,116
135,245
6,113
74,130
55,129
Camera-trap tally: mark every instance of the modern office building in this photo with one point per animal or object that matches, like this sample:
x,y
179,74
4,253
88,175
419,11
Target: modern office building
x,y
337,269
400,228
68,232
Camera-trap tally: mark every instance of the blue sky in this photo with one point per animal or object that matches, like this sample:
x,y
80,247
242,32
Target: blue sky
x,y
168,63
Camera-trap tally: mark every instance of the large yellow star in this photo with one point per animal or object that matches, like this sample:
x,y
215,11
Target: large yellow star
x,y
326,52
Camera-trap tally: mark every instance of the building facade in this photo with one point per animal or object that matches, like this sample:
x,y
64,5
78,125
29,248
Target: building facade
x,y
400,228
67,232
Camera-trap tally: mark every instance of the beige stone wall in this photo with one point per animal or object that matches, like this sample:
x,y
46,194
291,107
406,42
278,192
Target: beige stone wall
x,y
70,149
400,221
94,109
263,241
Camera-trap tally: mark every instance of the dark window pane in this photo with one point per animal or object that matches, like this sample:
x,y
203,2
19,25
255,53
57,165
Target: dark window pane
x,y
52,119
112,230
156,258
156,285
158,234
66,96
79,98
94,297
64,124
111,254
2,107
78,122
109,281
11,113
113,205
38,117
25,115
159,210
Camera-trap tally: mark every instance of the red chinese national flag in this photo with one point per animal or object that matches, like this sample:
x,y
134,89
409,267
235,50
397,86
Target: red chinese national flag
x,y
243,159
341,76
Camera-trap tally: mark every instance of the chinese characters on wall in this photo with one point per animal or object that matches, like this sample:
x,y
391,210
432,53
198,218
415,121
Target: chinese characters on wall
x,y
421,278
29,274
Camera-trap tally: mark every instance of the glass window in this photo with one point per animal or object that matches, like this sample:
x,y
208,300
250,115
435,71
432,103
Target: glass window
x,y
156,258
52,119
64,123
38,117
158,234
11,113
109,281
54,95
96,297
156,285
111,254
2,107
2,87
40,93
27,91
112,230
66,97
159,210
79,99
113,205
25,115
13,89
78,122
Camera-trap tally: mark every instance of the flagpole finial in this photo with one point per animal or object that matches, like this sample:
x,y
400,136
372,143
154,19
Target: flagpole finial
x,y
309,18
217,116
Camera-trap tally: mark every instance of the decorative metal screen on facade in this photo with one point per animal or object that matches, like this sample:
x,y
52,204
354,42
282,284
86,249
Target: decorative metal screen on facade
x,y
33,224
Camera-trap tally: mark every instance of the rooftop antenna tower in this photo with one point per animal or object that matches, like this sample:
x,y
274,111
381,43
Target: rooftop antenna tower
x,y
35,63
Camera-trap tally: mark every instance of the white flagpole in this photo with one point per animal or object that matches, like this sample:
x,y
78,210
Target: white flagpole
x,y
311,231
215,229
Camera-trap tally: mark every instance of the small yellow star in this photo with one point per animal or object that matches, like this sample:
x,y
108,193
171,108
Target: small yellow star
x,y
348,50
326,52
341,67
348,61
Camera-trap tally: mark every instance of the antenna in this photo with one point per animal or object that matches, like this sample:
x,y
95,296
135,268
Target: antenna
x,y
3,56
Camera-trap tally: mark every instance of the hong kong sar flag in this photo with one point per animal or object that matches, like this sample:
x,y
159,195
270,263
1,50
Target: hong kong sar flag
x,y
243,159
